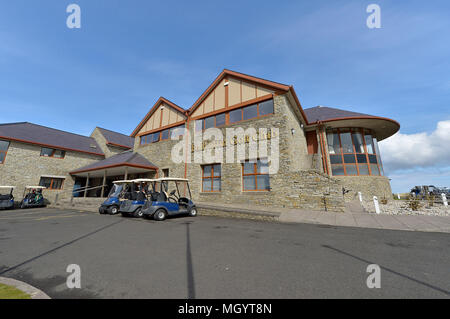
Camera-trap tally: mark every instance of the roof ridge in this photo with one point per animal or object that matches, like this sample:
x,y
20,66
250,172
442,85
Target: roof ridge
x,y
14,123
57,129
105,129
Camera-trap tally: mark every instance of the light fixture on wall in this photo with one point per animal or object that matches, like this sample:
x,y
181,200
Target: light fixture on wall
x,y
292,131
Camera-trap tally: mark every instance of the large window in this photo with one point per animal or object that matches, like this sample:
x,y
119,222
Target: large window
x,y
255,176
52,183
354,152
50,152
174,132
211,178
234,116
4,145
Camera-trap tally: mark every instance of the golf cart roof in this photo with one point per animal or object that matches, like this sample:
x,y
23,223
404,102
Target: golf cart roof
x,y
143,180
122,182
35,187
172,179
8,187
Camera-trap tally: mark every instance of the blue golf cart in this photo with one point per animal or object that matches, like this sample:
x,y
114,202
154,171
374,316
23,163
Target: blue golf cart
x,y
6,197
163,203
135,194
33,197
112,203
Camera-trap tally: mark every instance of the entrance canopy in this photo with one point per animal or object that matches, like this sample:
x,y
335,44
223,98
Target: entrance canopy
x,y
126,163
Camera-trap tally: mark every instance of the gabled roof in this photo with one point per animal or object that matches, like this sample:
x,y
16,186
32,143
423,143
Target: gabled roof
x,y
154,108
49,137
117,139
127,158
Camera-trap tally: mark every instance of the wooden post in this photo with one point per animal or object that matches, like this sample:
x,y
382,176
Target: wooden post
x,y
103,185
87,185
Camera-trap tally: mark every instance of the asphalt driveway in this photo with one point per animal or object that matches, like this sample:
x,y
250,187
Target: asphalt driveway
x,y
210,257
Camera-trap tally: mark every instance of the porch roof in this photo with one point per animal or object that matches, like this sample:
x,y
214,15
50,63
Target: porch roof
x,y
116,164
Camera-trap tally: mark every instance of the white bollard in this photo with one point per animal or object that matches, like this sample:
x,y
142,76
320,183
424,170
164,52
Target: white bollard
x,y
398,196
444,199
377,206
360,196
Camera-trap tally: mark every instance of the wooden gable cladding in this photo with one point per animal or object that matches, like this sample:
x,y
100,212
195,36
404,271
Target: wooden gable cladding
x,y
163,114
231,91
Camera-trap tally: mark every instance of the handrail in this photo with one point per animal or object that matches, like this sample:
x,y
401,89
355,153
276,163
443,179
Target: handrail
x,y
83,189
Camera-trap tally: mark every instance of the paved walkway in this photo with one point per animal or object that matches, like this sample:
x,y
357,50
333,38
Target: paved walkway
x,y
367,220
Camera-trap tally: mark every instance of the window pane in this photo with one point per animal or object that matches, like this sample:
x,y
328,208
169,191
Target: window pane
x,y
266,107
349,158
207,185
351,170
335,159
220,119
358,142
372,159
46,151
249,168
2,157
346,140
263,182
207,170
369,143
374,169
59,154
363,169
377,150
156,137
217,170
198,125
250,112
209,122
165,134
337,169
361,158
45,182
236,116
262,167
333,143
142,140
216,184
249,183
176,132
4,145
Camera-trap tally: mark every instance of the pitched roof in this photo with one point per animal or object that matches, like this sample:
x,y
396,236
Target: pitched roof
x,y
49,137
324,113
117,139
127,158
154,108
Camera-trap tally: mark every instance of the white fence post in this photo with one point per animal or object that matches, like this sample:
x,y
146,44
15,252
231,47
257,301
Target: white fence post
x,y
377,206
360,196
398,195
444,199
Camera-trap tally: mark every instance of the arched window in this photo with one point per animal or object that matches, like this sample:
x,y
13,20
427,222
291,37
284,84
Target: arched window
x,y
354,152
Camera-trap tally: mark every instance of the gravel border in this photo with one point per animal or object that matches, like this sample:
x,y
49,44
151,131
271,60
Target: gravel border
x,y
26,288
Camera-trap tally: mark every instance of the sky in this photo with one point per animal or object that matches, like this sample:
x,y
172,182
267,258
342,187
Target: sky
x,y
128,53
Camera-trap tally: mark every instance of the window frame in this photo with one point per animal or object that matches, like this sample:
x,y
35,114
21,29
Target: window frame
x,y
52,180
255,174
54,150
212,177
5,152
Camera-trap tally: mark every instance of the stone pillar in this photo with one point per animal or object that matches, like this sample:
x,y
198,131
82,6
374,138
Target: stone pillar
x,y
126,173
103,184
87,185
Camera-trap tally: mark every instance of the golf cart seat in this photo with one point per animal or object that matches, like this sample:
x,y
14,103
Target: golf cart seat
x,y
6,197
140,196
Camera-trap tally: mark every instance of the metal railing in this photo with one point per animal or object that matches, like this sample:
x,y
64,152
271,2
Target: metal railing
x,y
84,189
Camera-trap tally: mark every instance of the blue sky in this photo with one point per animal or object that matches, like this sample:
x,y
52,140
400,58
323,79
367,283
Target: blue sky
x,y
128,53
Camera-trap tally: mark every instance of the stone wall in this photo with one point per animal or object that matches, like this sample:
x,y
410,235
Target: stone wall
x,y
108,150
24,166
369,186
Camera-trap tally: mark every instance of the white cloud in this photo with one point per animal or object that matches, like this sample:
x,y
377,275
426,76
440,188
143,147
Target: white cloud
x,y
419,150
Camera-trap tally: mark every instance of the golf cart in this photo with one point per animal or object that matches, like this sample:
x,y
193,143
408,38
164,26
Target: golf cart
x,y
112,203
33,197
6,197
134,197
164,203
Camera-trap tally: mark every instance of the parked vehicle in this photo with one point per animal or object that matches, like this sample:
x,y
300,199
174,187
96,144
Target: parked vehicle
x,y
6,197
112,204
134,197
33,197
425,190
163,203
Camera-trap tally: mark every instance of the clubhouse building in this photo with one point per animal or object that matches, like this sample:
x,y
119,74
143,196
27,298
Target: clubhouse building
x,y
325,155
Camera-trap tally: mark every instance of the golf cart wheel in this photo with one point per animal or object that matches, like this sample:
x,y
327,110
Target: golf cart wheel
x,y
138,213
160,215
113,210
193,212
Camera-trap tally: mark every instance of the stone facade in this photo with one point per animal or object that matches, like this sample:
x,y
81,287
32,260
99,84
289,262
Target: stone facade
x,y
24,166
369,186
108,150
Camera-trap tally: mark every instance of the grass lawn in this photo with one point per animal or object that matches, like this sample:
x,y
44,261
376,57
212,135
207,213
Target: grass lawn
x,y
8,292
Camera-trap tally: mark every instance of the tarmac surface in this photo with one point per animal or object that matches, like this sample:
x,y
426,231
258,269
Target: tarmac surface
x,y
212,257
